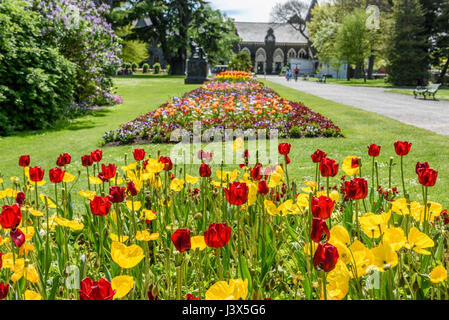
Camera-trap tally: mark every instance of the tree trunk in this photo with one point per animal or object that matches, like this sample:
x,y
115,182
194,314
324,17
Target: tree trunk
x,y
443,73
371,66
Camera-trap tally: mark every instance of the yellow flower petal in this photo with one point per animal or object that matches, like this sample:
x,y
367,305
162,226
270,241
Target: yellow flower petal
x,y
438,274
68,177
32,295
137,205
126,257
123,285
198,243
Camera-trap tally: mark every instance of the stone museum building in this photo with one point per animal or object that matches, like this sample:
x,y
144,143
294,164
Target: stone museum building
x,y
273,46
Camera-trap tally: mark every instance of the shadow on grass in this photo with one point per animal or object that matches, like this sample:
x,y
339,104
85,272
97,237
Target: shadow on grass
x,y
82,123
149,76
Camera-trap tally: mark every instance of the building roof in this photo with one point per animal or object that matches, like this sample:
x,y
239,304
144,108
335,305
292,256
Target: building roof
x,y
257,31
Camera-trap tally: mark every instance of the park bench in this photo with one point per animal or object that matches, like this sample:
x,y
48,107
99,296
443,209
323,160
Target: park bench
x,y
322,79
429,90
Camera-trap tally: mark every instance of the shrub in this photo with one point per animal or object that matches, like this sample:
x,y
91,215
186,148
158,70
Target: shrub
x,y
79,29
134,67
145,67
37,81
168,69
241,62
157,68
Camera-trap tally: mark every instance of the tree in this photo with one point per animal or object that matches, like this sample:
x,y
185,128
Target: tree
x,y
133,51
408,45
216,33
323,29
296,13
241,62
352,42
436,26
174,21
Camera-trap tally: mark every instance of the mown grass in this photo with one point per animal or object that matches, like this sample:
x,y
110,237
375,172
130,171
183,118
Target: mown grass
x,y
144,93
440,95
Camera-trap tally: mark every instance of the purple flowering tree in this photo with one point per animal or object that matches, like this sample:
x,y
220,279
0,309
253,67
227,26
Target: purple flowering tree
x,y
81,32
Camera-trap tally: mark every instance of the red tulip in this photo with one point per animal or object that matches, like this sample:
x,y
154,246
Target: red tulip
x,y
205,171
262,187
319,228
93,290
326,257
328,168
237,193
139,154
318,155
217,235
284,148
374,150
97,155
107,172
4,289
356,189
18,237
87,160
116,194
167,162
420,166
355,163
100,206
322,207
256,172
63,160
427,177
24,161
10,217
20,198
402,148
190,296
181,239
56,175
36,174
131,189
287,160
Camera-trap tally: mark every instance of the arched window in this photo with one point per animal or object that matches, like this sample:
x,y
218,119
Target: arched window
x,y
302,54
291,53
246,50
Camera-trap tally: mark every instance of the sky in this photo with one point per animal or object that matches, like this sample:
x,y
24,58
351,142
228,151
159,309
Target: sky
x,y
246,10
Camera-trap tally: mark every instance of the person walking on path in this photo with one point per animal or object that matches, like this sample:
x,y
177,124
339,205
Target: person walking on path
x,y
296,73
288,74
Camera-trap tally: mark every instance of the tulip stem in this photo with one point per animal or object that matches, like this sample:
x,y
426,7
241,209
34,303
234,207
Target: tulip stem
x,y
357,218
324,285
402,175
179,278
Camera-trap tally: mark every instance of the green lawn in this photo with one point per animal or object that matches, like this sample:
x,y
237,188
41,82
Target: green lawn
x,y
442,94
144,93
354,82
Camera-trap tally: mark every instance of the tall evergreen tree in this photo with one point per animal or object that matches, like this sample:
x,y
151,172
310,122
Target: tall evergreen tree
x,y
408,44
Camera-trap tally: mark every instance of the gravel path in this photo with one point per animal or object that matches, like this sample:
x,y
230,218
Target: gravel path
x,y
426,114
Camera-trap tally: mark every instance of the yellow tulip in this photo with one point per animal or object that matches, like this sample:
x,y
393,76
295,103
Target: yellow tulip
x,y
347,166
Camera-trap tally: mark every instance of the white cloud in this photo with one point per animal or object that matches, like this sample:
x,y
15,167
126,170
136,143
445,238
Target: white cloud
x,y
246,10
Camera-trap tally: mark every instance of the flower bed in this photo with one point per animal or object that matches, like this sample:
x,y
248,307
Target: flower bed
x,y
222,105
148,230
